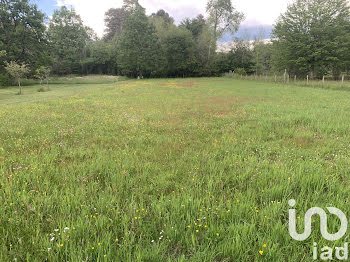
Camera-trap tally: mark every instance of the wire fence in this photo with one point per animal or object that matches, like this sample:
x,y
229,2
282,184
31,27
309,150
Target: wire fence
x,y
325,82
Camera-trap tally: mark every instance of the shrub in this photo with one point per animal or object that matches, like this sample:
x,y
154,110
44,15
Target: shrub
x,y
43,89
240,71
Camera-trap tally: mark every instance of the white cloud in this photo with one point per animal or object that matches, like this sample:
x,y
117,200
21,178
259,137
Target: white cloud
x,y
257,11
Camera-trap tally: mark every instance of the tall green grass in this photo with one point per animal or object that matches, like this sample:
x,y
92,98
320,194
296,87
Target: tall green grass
x,y
72,80
169,170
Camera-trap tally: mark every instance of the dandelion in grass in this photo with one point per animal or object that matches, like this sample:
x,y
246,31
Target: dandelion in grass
x,y
264,245
261,252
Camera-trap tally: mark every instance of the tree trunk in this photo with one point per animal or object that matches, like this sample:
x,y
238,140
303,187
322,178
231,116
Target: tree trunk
x,y
215,36
20,87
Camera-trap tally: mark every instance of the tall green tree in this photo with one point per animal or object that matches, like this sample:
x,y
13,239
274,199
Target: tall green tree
x,y
68,38
195,25
201,33
139,50
22,33
100,58
223,17
179,51
241,56
312,37
261,53
115,19
168,20
131,5
203,43
163,23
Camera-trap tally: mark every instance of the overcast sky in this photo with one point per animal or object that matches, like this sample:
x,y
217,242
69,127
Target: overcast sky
x,y
257,12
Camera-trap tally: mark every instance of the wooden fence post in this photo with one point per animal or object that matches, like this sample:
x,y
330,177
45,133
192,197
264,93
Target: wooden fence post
x,y
285,76
295,79
342,80
275,78
323,80
307,80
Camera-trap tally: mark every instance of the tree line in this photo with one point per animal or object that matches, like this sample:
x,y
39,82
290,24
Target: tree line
x,y
311,38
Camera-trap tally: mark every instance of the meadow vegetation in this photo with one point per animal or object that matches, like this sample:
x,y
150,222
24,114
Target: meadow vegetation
x,y
168,170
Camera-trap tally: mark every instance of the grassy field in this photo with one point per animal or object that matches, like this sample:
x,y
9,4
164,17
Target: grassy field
x,y
169,170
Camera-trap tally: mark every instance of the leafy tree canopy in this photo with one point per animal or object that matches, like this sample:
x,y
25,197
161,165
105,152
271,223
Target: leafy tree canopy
x,y
139,50
68,37
312,37
22,32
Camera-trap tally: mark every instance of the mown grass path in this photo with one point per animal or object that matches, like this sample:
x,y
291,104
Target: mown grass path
x,y
169,170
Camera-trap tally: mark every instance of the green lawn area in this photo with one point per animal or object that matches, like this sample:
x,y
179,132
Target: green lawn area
x,y
169,170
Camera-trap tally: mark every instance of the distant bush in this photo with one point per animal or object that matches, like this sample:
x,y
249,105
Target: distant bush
x,y
240,71
43,89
